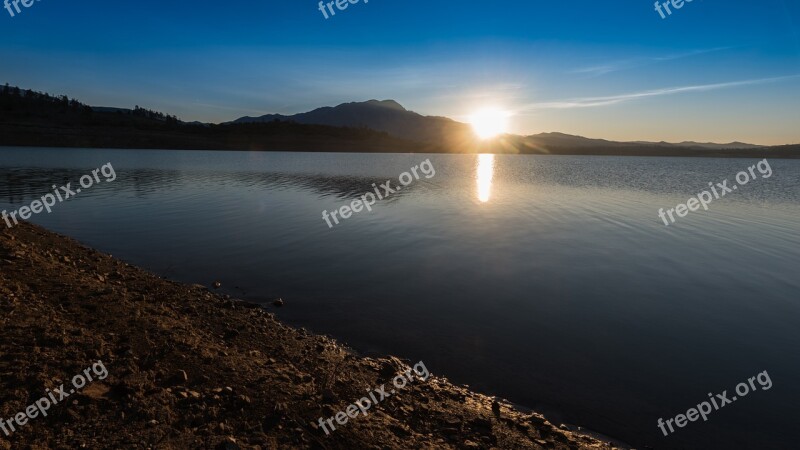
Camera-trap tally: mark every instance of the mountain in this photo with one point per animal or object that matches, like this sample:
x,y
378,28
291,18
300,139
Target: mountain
x,y
571,141
708,145
30,118
391,117
386,115
36,119
565,140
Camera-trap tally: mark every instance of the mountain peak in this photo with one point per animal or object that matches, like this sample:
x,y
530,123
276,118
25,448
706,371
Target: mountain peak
x,y
391,104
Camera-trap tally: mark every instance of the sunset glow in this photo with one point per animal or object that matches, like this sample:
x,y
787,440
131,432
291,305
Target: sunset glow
x,y
489,123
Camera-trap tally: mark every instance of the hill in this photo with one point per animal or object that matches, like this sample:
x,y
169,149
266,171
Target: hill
x,y
29,118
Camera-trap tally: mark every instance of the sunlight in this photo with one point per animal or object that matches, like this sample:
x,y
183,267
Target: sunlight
x,y
484,176
488,123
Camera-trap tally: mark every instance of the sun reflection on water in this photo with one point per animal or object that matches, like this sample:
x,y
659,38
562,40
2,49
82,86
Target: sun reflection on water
x,y
484,176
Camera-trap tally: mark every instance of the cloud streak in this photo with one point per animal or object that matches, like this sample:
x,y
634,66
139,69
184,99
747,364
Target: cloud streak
x,y
616,66
590,102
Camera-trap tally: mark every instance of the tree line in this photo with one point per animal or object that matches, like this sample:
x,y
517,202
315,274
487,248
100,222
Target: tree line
x,y
29,102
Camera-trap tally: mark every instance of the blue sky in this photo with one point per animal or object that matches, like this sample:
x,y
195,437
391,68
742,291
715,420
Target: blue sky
x,y
712,71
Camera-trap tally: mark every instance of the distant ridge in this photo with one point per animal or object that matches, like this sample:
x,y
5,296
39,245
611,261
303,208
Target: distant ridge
x,y
380,115
709,145
29,118
562,139
391,117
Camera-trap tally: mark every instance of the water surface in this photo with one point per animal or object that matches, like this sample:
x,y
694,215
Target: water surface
x,y
547,280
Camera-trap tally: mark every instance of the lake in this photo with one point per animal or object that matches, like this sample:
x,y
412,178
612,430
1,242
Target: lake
x,y
547,280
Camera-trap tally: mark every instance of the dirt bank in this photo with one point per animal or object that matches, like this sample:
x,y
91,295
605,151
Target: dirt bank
x,y
189,369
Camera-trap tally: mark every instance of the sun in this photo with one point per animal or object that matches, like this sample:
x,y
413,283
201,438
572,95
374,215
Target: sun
x,y
488,123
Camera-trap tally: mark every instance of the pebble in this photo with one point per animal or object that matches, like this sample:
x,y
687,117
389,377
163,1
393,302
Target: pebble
x,y
181,377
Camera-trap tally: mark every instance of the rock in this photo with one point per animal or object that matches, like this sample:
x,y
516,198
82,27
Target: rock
x,y
245,304
278,302
217,284
228,444
180,378
387,369
230,334
453,422
482,423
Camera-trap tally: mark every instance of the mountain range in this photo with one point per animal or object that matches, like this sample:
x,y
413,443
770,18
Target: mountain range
x,y
29,118
391,117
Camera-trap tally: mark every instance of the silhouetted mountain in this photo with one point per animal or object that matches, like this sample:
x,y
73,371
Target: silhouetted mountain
x,y
708,145
30,118
568,140
386,115
391,117
565,140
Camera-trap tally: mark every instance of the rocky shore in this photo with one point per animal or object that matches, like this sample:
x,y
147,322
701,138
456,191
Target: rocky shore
x,y
190,369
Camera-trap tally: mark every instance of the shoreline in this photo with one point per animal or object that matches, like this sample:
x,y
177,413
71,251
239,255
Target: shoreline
x,y
189,368
600,152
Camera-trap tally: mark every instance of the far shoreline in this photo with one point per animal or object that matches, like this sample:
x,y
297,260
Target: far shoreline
x,y
786,152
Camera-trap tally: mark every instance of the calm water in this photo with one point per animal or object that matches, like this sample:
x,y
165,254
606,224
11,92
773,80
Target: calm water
x,y
547,280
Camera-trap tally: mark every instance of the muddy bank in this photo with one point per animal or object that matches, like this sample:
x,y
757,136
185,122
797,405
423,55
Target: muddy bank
x,y
187,368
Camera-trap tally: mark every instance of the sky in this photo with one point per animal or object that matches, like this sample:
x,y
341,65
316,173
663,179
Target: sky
x,y
712,71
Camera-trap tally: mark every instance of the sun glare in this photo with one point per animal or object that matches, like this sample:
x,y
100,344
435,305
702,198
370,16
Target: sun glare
x,y
484,176
489,123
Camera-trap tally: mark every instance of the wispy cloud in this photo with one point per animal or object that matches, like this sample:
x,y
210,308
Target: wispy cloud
x,y
689,54
603,69
615,66
588,102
